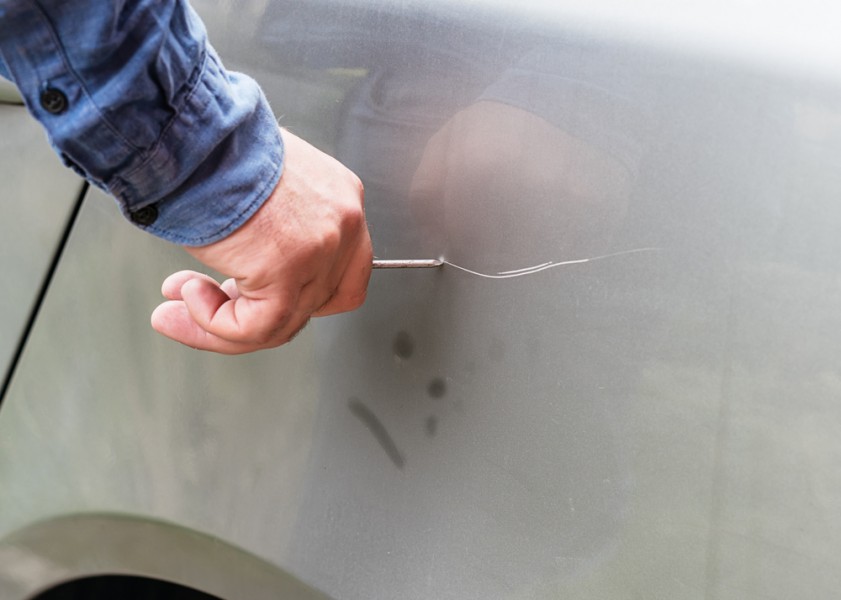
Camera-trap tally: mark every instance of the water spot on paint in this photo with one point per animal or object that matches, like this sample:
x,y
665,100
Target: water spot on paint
x,y
403,346
437,388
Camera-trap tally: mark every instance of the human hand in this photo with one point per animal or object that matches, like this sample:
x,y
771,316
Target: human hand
x,y
306,252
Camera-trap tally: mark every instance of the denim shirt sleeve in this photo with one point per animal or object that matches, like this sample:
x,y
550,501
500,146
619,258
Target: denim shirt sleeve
x,y
145,111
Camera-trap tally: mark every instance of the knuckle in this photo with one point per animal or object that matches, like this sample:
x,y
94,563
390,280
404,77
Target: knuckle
x,y
352,219
311,250
331,239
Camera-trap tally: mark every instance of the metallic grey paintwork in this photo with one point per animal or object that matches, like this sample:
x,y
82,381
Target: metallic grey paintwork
x,y
9,93
659,425
37,195
76,546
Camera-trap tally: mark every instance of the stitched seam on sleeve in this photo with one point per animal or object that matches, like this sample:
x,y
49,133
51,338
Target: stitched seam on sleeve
x,y
152,152
260,197
80,81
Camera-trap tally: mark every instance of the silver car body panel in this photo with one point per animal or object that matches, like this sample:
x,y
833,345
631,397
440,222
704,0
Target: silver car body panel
x,y
73,547
38,195
660,421
9,94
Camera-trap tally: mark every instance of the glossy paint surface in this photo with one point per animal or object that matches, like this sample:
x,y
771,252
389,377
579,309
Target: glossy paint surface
x,y
37,194
75,547
9,93
656,424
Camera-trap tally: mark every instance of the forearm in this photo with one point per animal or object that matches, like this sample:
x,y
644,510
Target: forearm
x,y
136,100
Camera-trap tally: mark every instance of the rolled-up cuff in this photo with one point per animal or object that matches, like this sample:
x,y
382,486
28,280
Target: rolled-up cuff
x,y
226,190
225,187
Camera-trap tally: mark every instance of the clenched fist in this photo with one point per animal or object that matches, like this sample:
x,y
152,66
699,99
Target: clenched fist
x,y
306,252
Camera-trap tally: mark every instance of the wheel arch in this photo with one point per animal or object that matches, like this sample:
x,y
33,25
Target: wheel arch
x,y
55,551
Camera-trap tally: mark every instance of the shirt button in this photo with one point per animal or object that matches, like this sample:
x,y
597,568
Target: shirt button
x,y
145,216
54,101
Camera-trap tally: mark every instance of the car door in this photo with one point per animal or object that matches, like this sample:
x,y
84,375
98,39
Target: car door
x,y
623,383
38,196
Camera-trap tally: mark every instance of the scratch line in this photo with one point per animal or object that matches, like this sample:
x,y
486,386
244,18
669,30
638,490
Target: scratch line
x,y
544,266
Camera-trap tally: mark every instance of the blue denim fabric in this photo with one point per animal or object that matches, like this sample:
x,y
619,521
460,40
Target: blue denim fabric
x,y
153,117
